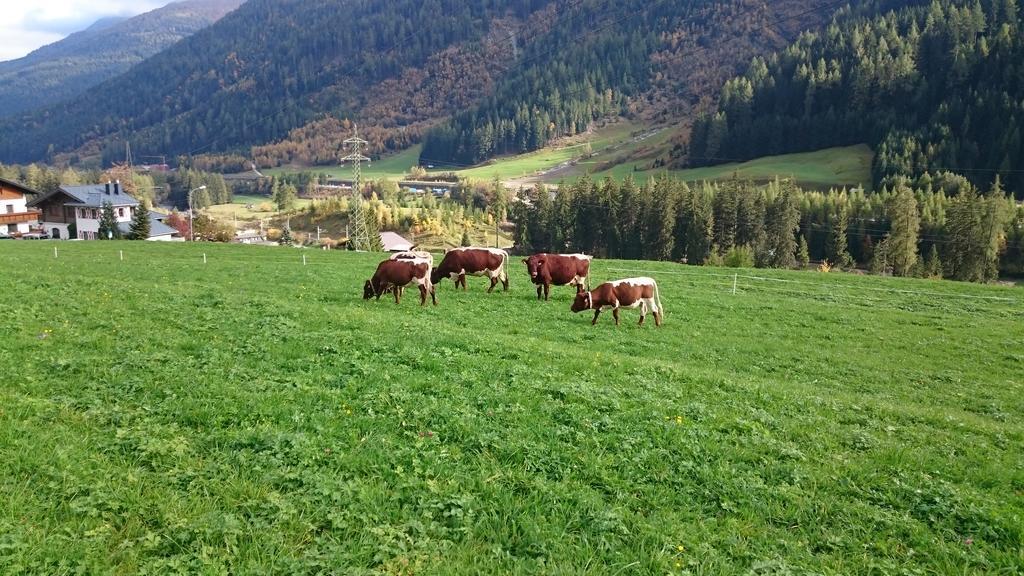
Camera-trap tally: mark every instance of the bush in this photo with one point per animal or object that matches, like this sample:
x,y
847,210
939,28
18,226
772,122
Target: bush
x,y
740,257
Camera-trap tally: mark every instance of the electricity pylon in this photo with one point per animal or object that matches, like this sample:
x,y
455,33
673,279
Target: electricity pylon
x,y
358,235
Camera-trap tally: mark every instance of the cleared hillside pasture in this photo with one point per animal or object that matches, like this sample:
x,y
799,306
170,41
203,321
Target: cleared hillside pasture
x,y
822,169
254,415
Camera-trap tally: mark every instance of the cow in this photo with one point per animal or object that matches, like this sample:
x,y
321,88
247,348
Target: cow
x,y
558,269
414,255
457,263
396,274
410,255
629,293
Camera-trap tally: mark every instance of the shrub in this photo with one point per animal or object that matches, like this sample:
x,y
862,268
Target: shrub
x,y
740,257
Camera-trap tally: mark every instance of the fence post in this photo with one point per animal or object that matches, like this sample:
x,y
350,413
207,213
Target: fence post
x,y
204,257
735,280
54,251
303,259
122,255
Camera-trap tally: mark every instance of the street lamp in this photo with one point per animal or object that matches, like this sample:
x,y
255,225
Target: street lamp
x,y
191,235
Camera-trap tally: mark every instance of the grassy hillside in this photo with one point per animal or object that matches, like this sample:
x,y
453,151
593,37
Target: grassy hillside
x,y
254,415
831,168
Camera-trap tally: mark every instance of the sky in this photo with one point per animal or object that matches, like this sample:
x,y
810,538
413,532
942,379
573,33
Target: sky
x,y
29,24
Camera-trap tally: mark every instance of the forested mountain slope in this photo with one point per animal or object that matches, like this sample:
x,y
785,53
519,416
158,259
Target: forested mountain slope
x,y
106,49
932,88
286,76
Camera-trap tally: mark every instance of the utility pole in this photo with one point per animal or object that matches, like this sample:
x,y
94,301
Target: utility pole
x,y
358,238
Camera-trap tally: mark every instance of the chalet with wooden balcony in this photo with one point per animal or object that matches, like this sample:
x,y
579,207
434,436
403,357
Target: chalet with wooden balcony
x,y
16,218
74,212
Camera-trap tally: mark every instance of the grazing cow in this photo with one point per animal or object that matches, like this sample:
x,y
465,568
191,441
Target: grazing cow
x,y
410,255
631,293
558,269
396,274
414,255
457,263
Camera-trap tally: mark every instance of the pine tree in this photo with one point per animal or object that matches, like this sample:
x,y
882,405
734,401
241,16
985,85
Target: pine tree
x,y
140,223
837,251
803,255
108,223
933,264
782,223
372,230
286,236
700,232
466,240
905,225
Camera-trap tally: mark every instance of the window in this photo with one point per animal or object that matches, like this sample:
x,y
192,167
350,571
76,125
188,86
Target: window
x,y
10,208
94,216
12,228
120,212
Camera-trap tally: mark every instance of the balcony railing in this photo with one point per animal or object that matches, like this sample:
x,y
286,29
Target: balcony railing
x,y
19,217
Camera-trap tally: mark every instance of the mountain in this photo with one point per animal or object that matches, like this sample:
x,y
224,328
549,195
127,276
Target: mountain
x,y
105,50
935,88
472,79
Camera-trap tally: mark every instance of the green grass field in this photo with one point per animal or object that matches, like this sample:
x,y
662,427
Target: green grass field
x,y
821,169
254,416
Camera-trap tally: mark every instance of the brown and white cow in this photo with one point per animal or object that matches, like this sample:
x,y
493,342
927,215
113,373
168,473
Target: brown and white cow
x,y
629,293
457,263
414,255
558,269
410,255
397,274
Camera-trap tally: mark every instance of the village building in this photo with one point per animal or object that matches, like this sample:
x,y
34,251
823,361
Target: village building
x,y
393,242
16,218
74,212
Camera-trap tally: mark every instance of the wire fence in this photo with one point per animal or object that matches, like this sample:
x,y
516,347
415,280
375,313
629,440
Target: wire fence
x,y
741,284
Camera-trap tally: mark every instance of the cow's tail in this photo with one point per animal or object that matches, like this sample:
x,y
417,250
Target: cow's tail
x,y
657,298
504,266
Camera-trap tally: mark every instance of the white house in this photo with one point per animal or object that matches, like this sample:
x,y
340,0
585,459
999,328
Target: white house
x,y
75,212
15,216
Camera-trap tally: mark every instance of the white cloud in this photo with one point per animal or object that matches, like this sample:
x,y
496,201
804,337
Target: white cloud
x,y
27,25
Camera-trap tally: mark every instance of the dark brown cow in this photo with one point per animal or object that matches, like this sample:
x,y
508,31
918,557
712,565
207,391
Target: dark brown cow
x,y
558,269
397,274
630,293
457,263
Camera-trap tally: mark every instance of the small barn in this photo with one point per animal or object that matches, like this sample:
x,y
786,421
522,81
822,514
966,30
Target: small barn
x,y
393,242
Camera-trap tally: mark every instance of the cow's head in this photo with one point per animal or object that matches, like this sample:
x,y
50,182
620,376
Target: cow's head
x,y
583,301
534,265
368,291
435,276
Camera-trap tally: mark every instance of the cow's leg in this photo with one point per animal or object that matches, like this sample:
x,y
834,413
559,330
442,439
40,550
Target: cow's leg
x,y
494,282
540,291
423,294
433,294
643,311
398,296
547,291
615,313
596,314
462,280
504,280
657,318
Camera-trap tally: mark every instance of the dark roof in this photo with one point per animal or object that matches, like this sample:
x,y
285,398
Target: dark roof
x,y
90,196
24,189
95,196
156,228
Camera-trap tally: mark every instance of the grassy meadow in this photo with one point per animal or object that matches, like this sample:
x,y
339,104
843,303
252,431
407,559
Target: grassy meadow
x,y
822,169
255,416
